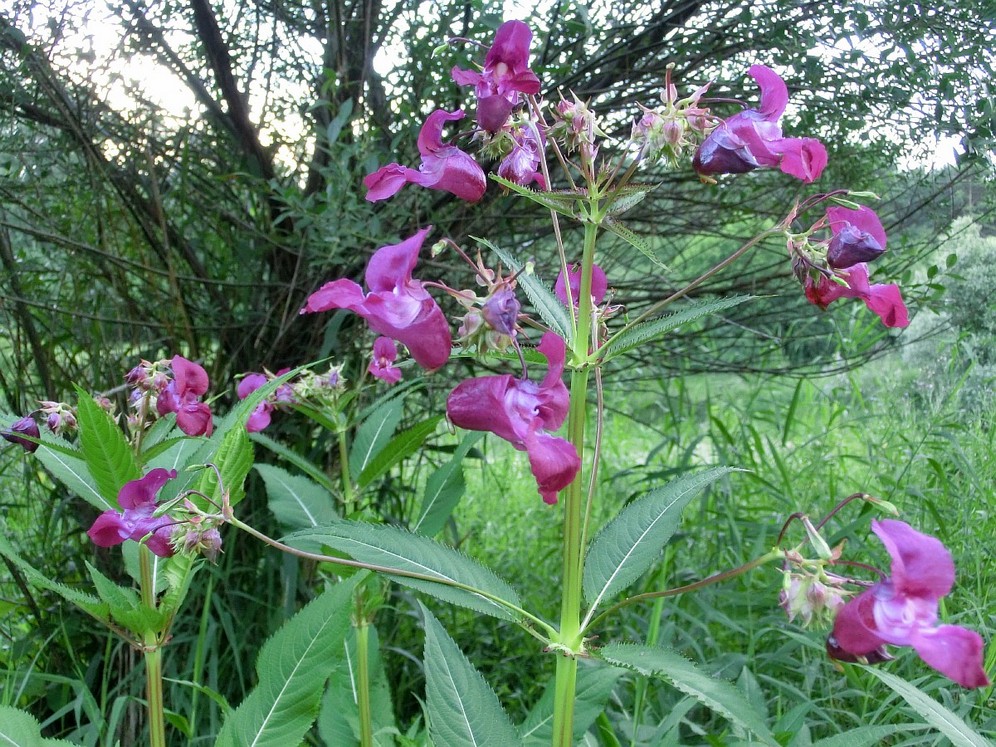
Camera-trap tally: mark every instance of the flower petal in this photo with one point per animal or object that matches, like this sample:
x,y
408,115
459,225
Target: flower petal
x,y
921,565
955,652
142,492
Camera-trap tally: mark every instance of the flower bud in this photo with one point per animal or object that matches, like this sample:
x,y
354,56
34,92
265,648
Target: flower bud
x,y
501,311
26,426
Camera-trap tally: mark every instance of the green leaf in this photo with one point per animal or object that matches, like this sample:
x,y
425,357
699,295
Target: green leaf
x,y
233,457
338,721
296,500
443,489
86,602
867,736
655,328
20,729
547,305
105,449
635,240
629,544
307,467
627,197
398,550
72,472
946,721
594,686
560,202
293,668
462,709
398,448
373,434
670,667
125,607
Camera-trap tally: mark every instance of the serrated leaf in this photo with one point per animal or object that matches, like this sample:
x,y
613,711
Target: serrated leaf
x,y
443,489
942,718
629,544
625,233
281,450
86,602
595,684
338,721
668,666
20,729
867,736
562,203
396,549
125,607
293,668
296,500
373,434
655,328
105,449
397,449
547,305
628,197
72,472
233,457
463,710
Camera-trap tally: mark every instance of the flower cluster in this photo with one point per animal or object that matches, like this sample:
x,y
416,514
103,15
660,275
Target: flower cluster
x,y
836,267
666,133
171,386
901,610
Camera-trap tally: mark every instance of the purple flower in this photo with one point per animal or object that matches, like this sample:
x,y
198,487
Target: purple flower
x,y
884,300
857,236
506,74
382,365
396,306
443,167
599,285
260,417
183,396
902,610
521,165
752,139
138,499
521,412
26,426
501,311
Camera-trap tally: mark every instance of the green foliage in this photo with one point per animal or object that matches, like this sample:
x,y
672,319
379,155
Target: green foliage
x,y
443,489
396,551
108,457
20,729
373,435
463,711
296,500
293,667
595,686
628,545
679,672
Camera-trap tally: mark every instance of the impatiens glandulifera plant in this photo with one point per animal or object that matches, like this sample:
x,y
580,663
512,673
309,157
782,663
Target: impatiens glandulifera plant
x,y
334,521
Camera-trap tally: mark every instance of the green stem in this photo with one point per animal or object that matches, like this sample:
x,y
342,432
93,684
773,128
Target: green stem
x,y
565,687
348,498
363,678
153,655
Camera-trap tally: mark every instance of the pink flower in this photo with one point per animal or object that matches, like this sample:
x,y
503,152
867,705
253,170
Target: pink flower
x,y
521,412
443,167
857,236
752,139
138,499
260,417
599,285
521,165
902,610
506,74
183,395
26,426
382,365
884,300
396,306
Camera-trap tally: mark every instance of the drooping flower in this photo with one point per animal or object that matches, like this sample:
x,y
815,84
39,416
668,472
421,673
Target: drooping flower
x,y
26,426
506,75
138,499
382,364
522,412
522,164
444,167
857,236
599,285
260,417
501,311
753,139
183,395
397,305
902,610
884,300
